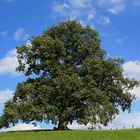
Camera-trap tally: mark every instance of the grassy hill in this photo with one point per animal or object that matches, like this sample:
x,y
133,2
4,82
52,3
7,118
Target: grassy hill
x,y
73,135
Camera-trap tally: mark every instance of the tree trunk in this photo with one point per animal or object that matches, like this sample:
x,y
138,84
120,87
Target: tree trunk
x,y
62,125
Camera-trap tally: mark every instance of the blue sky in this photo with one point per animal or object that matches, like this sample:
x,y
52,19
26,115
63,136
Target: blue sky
x,y
117,22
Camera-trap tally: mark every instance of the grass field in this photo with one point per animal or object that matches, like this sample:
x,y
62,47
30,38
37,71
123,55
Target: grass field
x,y
73,135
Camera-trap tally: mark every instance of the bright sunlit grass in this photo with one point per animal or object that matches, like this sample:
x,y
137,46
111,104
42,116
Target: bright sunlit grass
x,y
132,134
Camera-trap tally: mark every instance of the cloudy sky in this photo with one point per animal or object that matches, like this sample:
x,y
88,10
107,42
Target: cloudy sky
x,y
117,22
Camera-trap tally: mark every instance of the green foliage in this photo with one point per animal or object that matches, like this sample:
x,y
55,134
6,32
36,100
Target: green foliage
x,y
71,80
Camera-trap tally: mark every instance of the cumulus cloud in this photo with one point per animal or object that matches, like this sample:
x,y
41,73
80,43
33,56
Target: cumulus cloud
x,y
21,127
112,6
90,16
20,34
60,8
104,20
132,69
73,9
117,9
87,11
5,95
127,120
136,92
76,126
9,63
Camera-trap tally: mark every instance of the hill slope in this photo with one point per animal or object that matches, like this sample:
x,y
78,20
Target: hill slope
x,y
73,135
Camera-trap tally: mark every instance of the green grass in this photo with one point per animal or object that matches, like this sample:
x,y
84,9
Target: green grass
x,y
73,135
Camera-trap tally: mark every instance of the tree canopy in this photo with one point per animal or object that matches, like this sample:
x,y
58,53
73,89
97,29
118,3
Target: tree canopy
x,y
69,78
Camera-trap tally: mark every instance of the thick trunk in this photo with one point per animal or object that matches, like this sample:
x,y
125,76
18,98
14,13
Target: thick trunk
x,y
62,125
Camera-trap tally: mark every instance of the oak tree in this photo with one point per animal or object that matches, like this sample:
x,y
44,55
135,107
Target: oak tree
x,y
69,78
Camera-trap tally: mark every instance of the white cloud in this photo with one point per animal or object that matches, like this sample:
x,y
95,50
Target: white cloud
x,y
20,34
80,3
5,95
108,2
117,9
136,92
9,63
112,6
76,126
126,120
21,127
90,16
132,69
87,11
104,20
60,8
74,9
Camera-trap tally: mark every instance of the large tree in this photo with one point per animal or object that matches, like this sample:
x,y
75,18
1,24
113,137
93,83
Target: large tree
x,y
69,78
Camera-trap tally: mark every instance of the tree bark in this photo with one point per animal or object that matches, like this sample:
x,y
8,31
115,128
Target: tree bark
x,y
62,125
